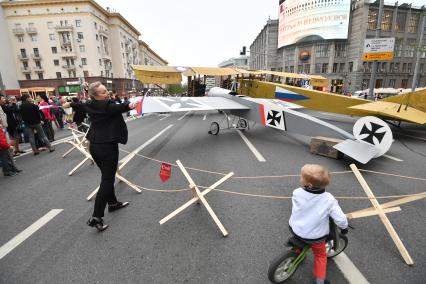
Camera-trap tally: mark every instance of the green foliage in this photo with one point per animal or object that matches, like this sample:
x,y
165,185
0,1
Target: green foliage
x,y
175,89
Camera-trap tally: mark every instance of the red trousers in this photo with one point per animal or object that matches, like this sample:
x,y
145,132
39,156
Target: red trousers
x,y
320,260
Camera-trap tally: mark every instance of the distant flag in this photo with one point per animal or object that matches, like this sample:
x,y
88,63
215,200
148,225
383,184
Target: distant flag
x,y
139,106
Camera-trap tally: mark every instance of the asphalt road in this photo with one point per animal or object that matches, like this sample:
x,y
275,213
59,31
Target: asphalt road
x,y
190,248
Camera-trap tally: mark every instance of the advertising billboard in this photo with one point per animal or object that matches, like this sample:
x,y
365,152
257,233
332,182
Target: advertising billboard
x,y
301,20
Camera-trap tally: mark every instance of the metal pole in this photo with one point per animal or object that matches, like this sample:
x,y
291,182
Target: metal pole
x,y
373,72
418,52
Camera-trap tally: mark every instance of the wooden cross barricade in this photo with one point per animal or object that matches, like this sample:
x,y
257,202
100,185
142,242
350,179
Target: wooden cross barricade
x,y
81,146
381,209
197,197
123,162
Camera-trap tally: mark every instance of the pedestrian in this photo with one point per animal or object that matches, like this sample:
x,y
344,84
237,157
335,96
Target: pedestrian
x,y
311,209
79,114
14,123
107,129
58,112
45,108
31,116
6,159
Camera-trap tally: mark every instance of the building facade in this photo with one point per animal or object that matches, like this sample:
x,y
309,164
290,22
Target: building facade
x,y
8,76
263,51
236,62
62,41
340,60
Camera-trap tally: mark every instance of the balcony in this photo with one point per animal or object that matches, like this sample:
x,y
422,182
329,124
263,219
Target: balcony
x,y
103,33
23,57
26,69
31,30
108,67
64,28
68,54
18,31
38,69
66,42
36,56
69,67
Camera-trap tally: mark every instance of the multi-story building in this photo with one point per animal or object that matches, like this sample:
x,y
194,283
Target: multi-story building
x,y
236,62
65,42
263,50
327,38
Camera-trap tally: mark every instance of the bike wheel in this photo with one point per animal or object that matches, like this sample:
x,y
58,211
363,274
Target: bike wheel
x,y
278,270
214,128
331,252
242,123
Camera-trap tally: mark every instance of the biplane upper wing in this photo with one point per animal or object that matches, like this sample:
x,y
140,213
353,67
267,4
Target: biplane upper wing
x,y
179,104
393,111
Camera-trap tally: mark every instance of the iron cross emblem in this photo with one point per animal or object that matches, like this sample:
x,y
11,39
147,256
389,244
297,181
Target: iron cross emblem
x,y
274,118
372,133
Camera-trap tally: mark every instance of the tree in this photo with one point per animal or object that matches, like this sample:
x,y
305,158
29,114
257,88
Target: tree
x,y
175,89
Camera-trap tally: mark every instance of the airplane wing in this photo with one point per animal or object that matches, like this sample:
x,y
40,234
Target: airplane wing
x,y
389,110
179,104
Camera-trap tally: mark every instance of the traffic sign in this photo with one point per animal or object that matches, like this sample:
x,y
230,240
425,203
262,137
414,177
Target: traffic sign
x,y
378,49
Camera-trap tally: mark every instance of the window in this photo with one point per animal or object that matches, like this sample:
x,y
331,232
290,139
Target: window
x,y
52,36
97,37
410,47
78,23
99,49
49,25
80,35
20,38
372,19
387,20
23,53
340,50
71,74
404,67
317,68
25,64
83,61
40,76
342,67
404,83
306,68
324,68
85,73
384,66
54,50
289,54
334,68
33,38
365,83
82,48
421,67
58,75
28,76
400,22
409,67
102,73
396,67
392,83
322,50
351,67
38,64
299,68
398,47
56,62
36,52
100,62
413,23
96,25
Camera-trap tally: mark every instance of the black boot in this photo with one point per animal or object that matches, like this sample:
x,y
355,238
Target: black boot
x,y
117,206
98,223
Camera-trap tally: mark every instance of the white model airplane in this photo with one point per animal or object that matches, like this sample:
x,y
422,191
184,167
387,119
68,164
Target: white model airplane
x,y
372,137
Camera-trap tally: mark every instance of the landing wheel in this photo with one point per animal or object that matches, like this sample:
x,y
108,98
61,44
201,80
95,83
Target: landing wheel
x,y
242,123
214,128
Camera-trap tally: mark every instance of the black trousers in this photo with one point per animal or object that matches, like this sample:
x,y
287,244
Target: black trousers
x,y
106,158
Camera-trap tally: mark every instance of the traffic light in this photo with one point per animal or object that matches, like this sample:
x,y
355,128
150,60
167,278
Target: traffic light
x,y
243,52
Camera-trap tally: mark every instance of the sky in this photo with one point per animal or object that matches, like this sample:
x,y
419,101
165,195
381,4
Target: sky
x,y
199,32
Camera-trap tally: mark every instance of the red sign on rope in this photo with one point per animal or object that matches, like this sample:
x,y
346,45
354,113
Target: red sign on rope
x,y
165,171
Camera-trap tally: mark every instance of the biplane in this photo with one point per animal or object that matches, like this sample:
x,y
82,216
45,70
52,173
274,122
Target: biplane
x,y
272,106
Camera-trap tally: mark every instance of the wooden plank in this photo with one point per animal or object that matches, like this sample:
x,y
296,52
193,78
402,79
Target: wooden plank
x,y
403,251
397,202
88,198
78,166
358,214
120,177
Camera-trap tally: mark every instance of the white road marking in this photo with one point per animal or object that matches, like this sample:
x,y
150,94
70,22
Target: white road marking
x,y
25,234
166,116
349,270
137,150
393,158
256,153
180,118
204,118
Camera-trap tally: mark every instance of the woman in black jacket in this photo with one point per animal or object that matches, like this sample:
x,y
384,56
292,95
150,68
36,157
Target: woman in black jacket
x,y
107,129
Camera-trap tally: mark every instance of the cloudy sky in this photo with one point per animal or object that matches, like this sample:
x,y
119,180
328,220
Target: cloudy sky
x,y
198,32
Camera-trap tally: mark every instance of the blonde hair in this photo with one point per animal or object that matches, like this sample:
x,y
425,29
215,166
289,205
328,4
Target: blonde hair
x,y
316,175
93,88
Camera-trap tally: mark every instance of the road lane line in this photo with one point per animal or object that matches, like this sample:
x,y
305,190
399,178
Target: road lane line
x,y
137,150
256,153
180,118
166,116
25,234
349,270
204,118
393,158
410,136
